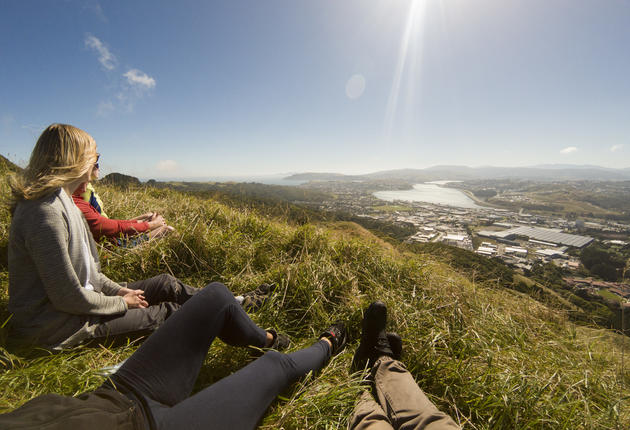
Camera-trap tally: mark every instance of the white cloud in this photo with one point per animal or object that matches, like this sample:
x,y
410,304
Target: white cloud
x,y
167,166
105,57
139,78
616,148
568,150
129,88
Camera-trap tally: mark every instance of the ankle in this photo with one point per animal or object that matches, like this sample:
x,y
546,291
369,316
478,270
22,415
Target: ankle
x,y
325,339
270,339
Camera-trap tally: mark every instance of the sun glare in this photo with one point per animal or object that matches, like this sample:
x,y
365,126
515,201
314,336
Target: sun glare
x,y
409,53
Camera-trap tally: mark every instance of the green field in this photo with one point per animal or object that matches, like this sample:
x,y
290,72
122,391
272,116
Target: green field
x,y
610,296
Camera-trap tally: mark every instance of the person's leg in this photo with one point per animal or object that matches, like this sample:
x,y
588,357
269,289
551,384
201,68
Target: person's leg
x,y
164,293
368,414
403,401
164,288
134,322
394,388
240,400
166,366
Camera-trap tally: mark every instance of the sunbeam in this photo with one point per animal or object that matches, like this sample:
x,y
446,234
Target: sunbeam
x,y
410,46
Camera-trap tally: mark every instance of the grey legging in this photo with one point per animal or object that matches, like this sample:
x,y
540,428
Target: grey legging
x,y
160,375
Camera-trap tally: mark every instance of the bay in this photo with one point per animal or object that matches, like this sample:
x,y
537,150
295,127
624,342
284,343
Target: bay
x,y
430,192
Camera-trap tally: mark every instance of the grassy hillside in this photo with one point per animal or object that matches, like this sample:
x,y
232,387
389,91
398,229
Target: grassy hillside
x,y
7,166
489,356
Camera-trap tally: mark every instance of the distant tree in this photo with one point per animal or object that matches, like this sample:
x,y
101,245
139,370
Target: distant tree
x,y
593,255
606,264
605,271
547,274
485,193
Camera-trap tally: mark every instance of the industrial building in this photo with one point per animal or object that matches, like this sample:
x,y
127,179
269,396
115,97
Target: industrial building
x,y
539,236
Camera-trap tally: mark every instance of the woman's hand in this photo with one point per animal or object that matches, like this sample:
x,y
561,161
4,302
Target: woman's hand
x,y
145,217
133,298
157,222
160,232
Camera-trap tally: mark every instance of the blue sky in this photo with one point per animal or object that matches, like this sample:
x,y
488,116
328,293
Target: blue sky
x,y
209,88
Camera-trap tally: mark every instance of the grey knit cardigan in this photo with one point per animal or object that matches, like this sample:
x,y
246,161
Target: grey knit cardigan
x,y
57,293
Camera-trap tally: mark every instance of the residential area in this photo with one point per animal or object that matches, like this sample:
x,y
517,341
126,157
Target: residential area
x,y
519,238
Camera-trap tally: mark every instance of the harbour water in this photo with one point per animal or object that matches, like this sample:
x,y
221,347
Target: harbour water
x,y
430,192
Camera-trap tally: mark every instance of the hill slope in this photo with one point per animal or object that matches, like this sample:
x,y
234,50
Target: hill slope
x,y
6,166
489,356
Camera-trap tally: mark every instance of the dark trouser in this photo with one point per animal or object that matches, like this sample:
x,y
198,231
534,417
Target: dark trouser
x,y
397,403
164,293
162,372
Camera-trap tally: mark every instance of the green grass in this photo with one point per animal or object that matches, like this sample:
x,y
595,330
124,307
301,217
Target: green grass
x,y
491,357
610,296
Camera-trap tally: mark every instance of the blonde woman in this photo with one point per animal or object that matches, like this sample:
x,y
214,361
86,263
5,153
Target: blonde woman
x,y
57,294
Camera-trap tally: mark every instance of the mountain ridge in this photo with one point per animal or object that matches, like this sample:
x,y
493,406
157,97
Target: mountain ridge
x,y
546,172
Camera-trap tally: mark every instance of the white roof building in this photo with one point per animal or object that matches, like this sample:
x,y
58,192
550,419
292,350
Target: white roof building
x,y
486,250
515,250
548,235
455,237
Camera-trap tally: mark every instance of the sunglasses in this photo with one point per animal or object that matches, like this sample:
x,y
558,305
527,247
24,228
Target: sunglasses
x,y
97,158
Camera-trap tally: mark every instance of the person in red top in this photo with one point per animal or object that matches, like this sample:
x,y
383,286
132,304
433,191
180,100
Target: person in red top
x,y
150,223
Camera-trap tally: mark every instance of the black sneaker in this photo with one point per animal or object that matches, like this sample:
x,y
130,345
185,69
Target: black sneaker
x,y
254,300
374,338
374,322
280,341
337,335
395,343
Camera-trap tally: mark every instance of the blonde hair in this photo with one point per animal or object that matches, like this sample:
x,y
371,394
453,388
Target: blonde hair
x,y
62,154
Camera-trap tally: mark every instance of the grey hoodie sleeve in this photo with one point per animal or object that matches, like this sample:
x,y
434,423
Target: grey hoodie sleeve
x,y
109,287
47,243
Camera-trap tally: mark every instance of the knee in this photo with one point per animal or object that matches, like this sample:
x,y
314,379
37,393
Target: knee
x,y
217,291
385,366
167,282
167,278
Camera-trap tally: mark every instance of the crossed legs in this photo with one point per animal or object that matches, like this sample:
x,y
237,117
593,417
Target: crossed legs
x,y
397,403
162,372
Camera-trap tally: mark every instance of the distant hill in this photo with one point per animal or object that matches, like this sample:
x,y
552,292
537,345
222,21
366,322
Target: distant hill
x,y
120,180
320,177
461,173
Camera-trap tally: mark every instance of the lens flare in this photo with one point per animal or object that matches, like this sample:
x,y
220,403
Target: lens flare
x,y
355,87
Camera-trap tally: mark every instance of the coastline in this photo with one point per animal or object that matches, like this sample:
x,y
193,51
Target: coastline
x,y
477,200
